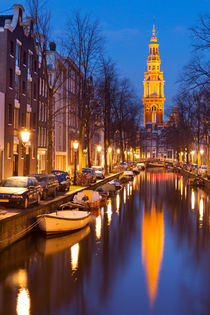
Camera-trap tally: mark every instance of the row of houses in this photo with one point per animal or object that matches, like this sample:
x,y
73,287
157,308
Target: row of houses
x,y
24,102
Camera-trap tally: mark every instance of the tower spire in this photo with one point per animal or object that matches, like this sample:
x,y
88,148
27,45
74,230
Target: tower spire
x,y
153,31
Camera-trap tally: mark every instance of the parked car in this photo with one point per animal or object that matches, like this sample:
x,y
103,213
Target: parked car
x,y
90,173
99,170
20,191
49,184
63,179
202,170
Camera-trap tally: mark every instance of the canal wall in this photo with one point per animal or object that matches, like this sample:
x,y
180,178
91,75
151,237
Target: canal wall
x,y
191,175
14,227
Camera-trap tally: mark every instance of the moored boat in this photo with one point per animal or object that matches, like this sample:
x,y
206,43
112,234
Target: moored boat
x,y
89,197
63,221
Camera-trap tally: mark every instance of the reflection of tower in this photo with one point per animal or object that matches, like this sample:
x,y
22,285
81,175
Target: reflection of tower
x,y
153,98
152,248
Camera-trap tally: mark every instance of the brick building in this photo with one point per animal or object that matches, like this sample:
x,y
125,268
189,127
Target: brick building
x,y
19,82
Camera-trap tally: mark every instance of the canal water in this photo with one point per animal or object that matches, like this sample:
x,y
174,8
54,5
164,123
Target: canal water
x,y
146,252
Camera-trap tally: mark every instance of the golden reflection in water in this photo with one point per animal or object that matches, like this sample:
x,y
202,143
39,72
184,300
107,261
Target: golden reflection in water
x,y
193,200
181,186
152,248
201,212
74,256
98,227
23,302
128,190
124,195
117,202
131,189
109,211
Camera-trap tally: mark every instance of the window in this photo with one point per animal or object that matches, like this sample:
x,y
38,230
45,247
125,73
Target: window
x,y
23,119
17,87
34,90
28,116
29,64
24,58
34,121
24,87
18,55
29,92
10,78
10,114
16,118
9,150
35,66
12,48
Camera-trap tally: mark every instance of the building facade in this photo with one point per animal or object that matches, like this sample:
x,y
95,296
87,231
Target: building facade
x,y
153,98
18,94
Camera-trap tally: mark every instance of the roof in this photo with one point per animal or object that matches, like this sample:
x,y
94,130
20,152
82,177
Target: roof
x,y
3,18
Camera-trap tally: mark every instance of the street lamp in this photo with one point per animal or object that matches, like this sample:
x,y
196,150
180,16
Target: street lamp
x,y
99,150
25,136
75,146
110,159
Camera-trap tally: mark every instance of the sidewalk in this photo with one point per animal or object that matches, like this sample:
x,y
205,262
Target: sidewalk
x,y
15,223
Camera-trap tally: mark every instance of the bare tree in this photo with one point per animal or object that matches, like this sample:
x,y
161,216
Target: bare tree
x,y
53,66
84,46
106,96
196,73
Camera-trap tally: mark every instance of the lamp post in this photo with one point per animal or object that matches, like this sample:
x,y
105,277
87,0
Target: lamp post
x,y
118,153
110,159
201,152
192,153
75,146
98,153
25,136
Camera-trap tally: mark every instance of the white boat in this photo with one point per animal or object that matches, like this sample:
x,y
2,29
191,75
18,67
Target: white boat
x,y
63,221
53,245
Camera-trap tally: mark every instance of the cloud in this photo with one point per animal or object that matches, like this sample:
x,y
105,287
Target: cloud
x,y
122,35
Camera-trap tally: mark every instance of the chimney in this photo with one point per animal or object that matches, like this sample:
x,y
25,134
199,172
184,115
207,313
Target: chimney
x,y
52,46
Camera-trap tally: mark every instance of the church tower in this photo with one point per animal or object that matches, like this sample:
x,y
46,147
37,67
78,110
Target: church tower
x,y
153,98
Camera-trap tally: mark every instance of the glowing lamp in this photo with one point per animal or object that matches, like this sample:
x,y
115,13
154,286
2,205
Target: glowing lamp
x,y
75,145
99,148
25,136
118,151
110,149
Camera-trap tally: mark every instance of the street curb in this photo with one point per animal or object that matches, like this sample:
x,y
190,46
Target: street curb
x,y
17,226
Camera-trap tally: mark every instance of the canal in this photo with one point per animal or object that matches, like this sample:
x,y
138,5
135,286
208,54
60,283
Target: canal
x,y
146,252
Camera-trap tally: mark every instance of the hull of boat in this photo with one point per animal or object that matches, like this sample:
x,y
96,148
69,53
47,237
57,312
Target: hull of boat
x,y
54,224
50,246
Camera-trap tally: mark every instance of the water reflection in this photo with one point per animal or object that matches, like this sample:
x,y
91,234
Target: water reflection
x,y
74,256
193,200
106,264
98,227
109,211
23,302
152,248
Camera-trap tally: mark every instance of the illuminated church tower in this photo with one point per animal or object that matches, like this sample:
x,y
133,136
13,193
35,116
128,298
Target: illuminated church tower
x,y
153,98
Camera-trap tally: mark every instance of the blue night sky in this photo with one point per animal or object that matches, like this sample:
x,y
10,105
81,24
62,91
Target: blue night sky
x,y
128,27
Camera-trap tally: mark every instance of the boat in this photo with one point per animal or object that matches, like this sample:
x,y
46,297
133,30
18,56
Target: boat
x,y
116,184
196,182
52,245
89,197
127,176
63,221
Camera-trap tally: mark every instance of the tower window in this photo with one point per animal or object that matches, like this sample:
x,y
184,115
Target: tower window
x,y
153,108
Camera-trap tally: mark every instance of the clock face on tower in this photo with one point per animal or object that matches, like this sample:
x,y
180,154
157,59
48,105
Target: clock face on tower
x,y
153,98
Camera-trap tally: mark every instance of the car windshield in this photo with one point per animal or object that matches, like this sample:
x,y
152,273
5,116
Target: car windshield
x,y
15,182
